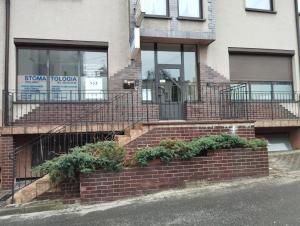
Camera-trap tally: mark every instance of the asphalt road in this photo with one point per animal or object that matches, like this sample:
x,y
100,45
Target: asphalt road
x,y
267,202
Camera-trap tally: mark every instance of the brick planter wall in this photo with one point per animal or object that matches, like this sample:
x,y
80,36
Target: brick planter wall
x,y
187,131
69,192
217,166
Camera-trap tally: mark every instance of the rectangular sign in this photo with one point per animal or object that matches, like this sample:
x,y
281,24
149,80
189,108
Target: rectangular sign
x,y
64,87
32,87
93,87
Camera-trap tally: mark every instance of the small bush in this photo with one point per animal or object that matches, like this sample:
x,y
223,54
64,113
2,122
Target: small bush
x,y
144,156
256,143
86,159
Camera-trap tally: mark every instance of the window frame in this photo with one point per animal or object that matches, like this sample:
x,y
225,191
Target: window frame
x,y
166,16
271,10
48,48
201,12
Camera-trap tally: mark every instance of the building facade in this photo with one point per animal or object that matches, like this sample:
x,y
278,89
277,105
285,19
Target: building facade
x,y
145,60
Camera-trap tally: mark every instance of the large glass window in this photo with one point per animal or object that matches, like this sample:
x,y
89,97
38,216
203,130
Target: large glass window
x,y
259,4
57,75
154,7
190,8
166,59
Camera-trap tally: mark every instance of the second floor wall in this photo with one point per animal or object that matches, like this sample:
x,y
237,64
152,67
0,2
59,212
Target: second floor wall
x,y
80,20
239,28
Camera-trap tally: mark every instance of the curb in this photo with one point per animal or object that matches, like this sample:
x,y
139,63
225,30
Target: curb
x,y
32,208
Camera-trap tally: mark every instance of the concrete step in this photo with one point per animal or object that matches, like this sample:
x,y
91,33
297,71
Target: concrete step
x,y
122,140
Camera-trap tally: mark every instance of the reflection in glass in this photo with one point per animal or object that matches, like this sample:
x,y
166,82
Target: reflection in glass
x,y
32,75
168,54
170,85
190,72
148,72
189,8
64,74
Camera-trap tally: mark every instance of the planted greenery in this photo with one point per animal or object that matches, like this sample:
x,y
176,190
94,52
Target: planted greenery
x,y
110,157
169,150
102,155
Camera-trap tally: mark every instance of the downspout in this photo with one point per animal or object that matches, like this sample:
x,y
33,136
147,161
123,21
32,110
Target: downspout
x,y
6,63
297,30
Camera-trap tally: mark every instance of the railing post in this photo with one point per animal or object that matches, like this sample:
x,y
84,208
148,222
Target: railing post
x,y
13,158
5,108
246,108
132,107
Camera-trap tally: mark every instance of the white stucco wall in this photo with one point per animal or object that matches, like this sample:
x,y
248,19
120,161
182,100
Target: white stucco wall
x,y
80,20
236,27
2,45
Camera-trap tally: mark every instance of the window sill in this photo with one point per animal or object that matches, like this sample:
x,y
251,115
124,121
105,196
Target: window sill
x,y
191,18
158,17
261,11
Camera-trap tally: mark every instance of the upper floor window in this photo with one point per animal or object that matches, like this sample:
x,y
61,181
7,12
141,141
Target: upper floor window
x,y
260,4
154,7
190,8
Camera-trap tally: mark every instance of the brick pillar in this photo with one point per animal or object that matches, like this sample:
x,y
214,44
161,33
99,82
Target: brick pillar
x,y
6,148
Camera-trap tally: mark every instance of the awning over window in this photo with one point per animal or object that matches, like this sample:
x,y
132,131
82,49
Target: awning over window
x,y
259,67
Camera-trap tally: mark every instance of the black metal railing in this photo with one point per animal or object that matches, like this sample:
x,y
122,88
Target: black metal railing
x,y
75,119
89,122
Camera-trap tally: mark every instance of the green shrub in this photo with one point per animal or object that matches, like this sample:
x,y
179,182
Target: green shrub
x,y
86,159
176,149
144,156
256,143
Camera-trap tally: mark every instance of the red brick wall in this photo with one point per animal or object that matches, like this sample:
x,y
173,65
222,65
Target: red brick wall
x,y
6,164
187,132
69,192
217,166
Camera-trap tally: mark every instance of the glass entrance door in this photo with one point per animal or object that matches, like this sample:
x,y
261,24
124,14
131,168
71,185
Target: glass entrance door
x,y
170,95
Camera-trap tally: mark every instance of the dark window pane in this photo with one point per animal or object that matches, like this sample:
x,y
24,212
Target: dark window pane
x,y
32,75
189,8
64,74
